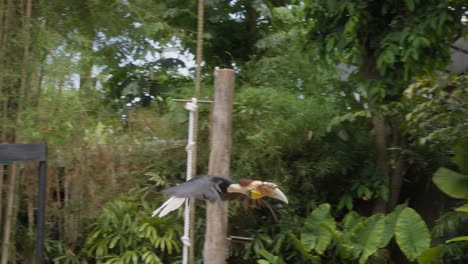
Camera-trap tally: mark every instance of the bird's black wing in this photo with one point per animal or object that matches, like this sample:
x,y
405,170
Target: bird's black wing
x,y
204,187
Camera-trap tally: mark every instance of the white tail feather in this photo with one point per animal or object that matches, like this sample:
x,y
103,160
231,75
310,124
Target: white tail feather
x,y
170,205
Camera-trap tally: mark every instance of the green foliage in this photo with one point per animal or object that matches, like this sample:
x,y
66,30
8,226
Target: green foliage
x,y
304,254
430,254
134,85
125,232
270,126
449,224
58,252
435,110
447,228
455,185
358,238
362,31
295,121
240,18
269,258
451,182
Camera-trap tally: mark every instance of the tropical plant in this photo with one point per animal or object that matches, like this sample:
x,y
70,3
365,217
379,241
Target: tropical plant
x,y
91,78
57,252
269,258
455,185
358,238
125,232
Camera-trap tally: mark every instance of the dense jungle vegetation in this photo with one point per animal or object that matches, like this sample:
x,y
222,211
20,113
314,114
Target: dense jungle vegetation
x,y
347,105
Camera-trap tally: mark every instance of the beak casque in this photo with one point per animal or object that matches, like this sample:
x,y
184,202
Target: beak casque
x,y
278,194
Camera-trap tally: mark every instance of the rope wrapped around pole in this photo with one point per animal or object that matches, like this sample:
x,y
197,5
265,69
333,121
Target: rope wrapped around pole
x,y
191,149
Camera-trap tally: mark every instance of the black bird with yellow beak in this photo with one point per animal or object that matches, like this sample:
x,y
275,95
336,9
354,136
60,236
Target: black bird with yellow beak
x,y
215,189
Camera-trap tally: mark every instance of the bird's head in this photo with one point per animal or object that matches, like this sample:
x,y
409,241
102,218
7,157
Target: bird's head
x,y
258,189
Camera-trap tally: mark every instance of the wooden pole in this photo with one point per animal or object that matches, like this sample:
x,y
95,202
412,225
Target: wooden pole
x,y
216,244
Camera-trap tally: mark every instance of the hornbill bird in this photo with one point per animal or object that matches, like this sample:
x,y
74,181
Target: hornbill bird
x,y
217,188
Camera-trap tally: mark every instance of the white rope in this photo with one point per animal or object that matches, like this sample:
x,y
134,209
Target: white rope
x,y
191,149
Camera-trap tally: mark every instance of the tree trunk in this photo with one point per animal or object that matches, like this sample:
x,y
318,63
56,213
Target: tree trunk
x,y
399,168
251,20
380,205
66,203
216,244
86,63
371,76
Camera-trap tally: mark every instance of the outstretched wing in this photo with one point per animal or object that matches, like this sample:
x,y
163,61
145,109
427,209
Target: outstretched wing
x,y
204,187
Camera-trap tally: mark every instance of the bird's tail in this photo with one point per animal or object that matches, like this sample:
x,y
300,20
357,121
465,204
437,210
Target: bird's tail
x,y
170,205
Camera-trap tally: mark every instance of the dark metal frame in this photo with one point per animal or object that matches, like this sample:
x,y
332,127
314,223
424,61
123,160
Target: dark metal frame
x,y
31,152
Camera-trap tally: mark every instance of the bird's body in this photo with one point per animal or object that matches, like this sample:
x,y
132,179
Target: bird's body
x,y
217,188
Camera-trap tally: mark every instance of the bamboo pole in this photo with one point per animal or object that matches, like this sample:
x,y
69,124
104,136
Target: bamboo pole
x,y
216,244
198,70
6,14
9,228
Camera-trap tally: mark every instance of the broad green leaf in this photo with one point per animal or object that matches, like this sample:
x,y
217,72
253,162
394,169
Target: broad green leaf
x,y
451,183
350,220
412,234
366,236
461,156
463,208
390,223
300,247
457,239
313,235
268,257
430,254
